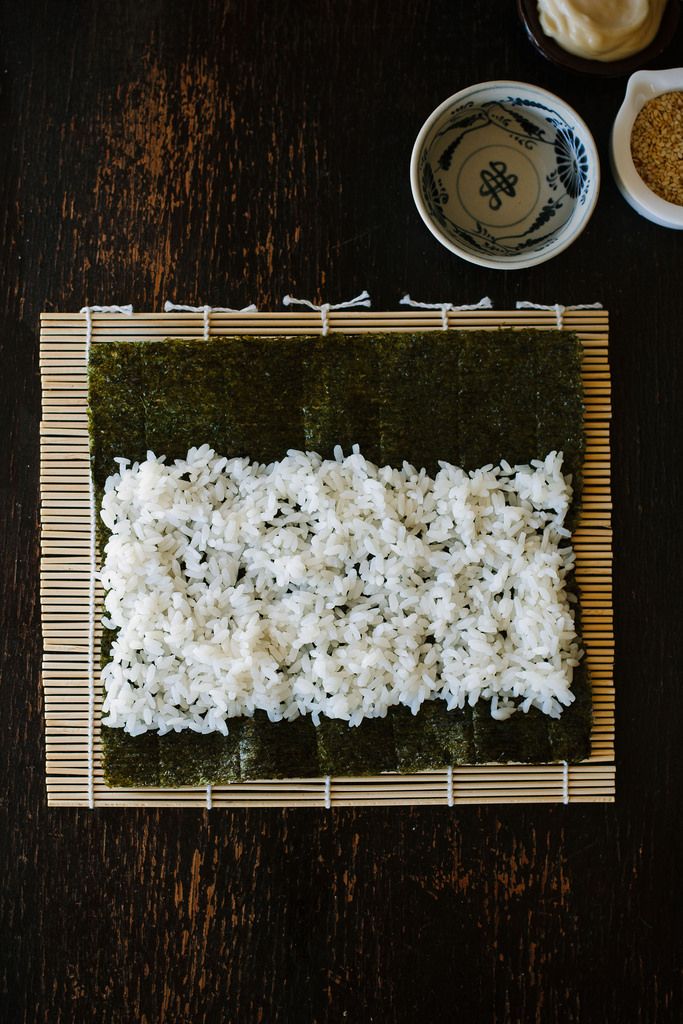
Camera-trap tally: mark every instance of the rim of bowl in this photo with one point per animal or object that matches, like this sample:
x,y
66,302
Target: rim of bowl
x,y
660,81
572,117
556,54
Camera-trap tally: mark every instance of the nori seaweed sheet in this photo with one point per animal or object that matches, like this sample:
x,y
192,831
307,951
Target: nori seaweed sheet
x,y
194,759
278,750
432,737
357,751
420,405
465,397
341,400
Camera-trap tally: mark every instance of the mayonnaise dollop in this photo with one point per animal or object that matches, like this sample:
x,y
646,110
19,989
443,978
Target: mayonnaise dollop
x,y
601,29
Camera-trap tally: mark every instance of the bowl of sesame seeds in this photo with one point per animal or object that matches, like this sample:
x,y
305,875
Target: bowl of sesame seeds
x,y
646,148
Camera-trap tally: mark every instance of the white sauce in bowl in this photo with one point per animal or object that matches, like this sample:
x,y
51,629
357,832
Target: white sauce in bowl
x,y
601,29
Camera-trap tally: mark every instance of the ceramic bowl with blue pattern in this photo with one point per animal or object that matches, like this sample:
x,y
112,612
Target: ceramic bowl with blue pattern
x,y
505,174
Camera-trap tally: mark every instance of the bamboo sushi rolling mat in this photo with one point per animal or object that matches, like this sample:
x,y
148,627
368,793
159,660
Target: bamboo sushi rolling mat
x,y
65,575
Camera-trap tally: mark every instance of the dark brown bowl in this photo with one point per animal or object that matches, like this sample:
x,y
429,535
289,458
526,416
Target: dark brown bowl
x,y
552,51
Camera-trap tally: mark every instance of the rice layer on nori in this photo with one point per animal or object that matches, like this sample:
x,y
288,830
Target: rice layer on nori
x,y
469,398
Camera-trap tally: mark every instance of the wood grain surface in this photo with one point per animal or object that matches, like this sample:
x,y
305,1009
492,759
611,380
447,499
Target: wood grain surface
x,y
228,152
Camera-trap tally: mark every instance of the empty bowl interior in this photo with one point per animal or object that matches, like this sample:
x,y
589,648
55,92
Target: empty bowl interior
x,y
505,176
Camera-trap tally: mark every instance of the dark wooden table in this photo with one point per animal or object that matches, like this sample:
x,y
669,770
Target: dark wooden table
x,y
227,153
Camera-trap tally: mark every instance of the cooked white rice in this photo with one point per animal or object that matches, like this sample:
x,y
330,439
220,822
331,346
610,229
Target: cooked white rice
x,y
333,588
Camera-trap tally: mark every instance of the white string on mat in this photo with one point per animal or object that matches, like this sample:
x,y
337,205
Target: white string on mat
x,y
328,792
446,307
360,300
449,785
560,310
565,782
89,310
209,797
170,307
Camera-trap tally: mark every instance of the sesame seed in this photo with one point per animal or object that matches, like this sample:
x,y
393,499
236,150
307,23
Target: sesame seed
x,y
657,146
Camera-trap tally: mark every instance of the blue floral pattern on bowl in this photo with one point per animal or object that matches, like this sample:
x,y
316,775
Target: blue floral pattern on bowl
x,y
572,163
505,177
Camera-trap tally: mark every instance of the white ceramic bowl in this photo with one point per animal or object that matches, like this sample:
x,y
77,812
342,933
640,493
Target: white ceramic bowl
x,y
642,86
505,174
